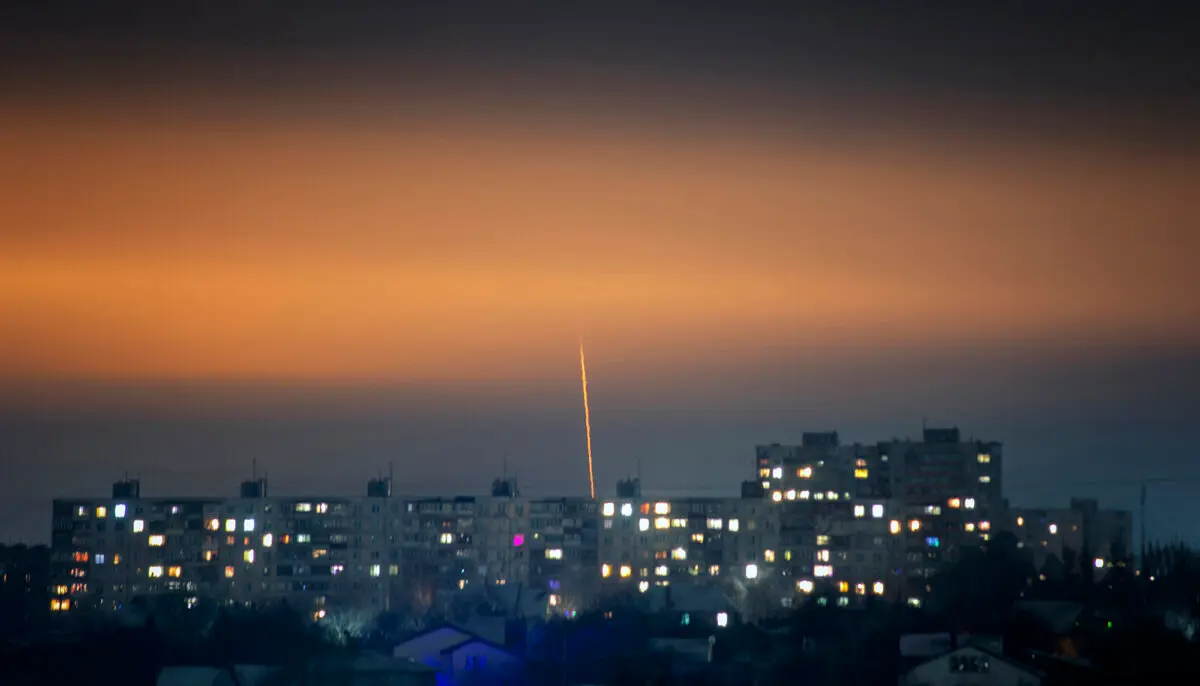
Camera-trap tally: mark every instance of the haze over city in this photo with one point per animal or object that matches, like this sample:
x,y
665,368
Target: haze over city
x,y
335,241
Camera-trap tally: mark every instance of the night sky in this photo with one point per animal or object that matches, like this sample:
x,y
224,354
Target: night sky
x,y
331,239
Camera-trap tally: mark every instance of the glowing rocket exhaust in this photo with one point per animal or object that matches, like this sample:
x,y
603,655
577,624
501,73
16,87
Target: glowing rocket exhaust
x,y
587,421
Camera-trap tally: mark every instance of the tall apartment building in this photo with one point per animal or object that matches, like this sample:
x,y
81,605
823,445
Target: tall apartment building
x,y
836,522
646,542
24,587
318,552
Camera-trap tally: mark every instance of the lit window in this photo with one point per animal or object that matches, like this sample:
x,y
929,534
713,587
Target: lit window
x,y
554,554
662,523
722,619
446,538
804,495
101,512
334,570
822,571
661,570
213,525
768,555
268,540
733,525
1099,562
626,510
679,554
156,571
322,508
969,526
1020,521
764,473
804,472
877,511
625,571
984,458
229,571
230,525
954,503
914,602
934,509
304,538
662,508
248,525
1053,528
139,525
697,537
119,510
751,571
175,571
210,555
81,511
715,524
766,485
860,589
969,503
823,555
860,510
822,539
714,570
777,473
643,524
248,556
99,558
776,496
790,494
157,540
843,586
116,559
985,479
861,473
933,541
553,600
518,540
914,525
376,570
804,586
303,507
393,570
643,586
605,570
877,588
985,526
608,509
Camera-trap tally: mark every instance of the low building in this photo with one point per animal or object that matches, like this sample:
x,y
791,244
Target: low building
x,y
971,666
462,657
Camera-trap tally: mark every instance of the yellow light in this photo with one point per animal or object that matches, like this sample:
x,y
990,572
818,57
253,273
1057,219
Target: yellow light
x,y
101,512
877,588
894,526
643,586
984,458
804,472
954,503
768,555
662,523
776,496
155,571
175,572
625,571
662,508
844,586
157,540
860,589
605,571
915,525
791,494
229,572
860,474
1020,521
804,586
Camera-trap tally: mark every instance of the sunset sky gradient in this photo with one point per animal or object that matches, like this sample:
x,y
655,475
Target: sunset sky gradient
x,y
336,250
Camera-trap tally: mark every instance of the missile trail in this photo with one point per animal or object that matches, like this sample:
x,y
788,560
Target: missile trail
x,y
587,421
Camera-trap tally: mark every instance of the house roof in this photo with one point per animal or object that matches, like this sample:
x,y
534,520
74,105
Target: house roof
x,y
466,636
193,676
1016,664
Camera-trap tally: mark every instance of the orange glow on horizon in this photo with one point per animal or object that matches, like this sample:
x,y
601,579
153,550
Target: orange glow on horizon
x,y
419,253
